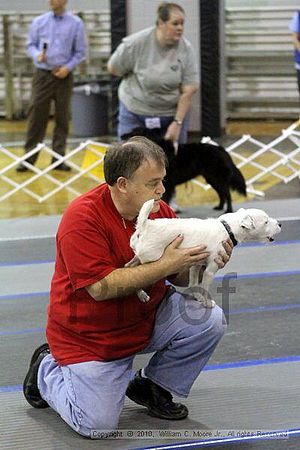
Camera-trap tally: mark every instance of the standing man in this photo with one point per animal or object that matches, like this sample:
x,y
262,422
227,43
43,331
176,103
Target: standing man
x,y
295,29
56,44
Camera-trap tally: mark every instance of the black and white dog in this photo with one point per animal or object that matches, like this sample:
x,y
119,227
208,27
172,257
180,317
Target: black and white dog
x,y
194,159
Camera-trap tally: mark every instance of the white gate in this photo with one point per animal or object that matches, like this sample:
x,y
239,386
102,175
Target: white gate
x,y
280,158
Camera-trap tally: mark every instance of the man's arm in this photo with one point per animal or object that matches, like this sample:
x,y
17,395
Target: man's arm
x,y
127,280
79,47
33,50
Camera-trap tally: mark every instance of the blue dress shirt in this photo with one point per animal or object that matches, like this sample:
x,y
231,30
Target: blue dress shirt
x,y
294,26
64,37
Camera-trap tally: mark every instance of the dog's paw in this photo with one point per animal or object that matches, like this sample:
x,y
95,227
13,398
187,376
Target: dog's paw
x,y
133,262
208,303
143,296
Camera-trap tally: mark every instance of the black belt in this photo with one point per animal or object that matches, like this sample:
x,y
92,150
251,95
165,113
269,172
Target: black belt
x,y
44,70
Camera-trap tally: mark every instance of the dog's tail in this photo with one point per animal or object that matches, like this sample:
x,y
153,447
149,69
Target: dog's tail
x,y
143,215
141,220
237,182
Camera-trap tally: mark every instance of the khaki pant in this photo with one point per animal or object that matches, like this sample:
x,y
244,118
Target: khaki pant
x,y
45,88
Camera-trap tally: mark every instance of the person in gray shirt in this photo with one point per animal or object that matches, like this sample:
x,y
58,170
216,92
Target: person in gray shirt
x,y
159,76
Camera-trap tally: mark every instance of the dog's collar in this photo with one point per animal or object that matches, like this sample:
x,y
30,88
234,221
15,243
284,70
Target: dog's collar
x,y
230,232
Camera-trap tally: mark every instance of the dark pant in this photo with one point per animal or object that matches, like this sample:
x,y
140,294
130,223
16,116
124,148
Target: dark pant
x,y
47,87
298,78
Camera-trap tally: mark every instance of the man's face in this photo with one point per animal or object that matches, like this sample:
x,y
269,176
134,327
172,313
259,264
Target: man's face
x,y
57,5
146,183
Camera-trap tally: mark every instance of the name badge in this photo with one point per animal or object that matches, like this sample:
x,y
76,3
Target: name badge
x,y
152,122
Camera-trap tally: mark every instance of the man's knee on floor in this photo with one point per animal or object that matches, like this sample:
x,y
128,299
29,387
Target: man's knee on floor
x,y
92,424
98,429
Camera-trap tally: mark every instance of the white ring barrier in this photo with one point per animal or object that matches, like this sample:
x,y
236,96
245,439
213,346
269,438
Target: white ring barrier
x,y
248,159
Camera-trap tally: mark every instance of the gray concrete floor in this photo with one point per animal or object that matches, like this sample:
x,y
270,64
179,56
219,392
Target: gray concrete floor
x,y
251,383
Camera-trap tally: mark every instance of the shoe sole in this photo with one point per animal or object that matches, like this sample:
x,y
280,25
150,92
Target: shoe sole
x,y
159,415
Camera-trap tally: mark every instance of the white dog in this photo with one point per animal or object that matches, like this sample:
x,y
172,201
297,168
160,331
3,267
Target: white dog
x,y
152,237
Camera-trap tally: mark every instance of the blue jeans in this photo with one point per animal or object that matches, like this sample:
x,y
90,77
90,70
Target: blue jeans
x,y
90,395
127,121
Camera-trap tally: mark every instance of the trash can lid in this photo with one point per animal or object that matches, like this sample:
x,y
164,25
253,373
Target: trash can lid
x,y
88,88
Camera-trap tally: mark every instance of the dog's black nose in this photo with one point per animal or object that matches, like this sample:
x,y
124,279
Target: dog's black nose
x,y
279,224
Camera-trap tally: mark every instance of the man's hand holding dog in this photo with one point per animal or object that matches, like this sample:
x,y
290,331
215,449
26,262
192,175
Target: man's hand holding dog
x,y
180,260
177,259
225,255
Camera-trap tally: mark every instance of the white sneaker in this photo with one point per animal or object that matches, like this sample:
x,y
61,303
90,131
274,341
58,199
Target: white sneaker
x,y
176,208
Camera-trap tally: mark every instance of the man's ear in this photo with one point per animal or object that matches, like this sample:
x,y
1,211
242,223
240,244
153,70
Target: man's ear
x,y
122,184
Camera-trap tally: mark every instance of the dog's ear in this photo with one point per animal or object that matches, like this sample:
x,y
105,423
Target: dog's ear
x,y
247,222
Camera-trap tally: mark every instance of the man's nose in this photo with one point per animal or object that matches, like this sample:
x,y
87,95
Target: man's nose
x,y
161,188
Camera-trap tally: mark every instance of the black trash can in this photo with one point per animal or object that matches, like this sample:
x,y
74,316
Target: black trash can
x,y
90,110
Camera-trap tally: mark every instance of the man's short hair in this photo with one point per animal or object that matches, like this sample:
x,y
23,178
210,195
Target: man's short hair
x,y
122,160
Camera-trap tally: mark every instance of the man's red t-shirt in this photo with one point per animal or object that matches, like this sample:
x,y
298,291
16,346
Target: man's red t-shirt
x,y
92,241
